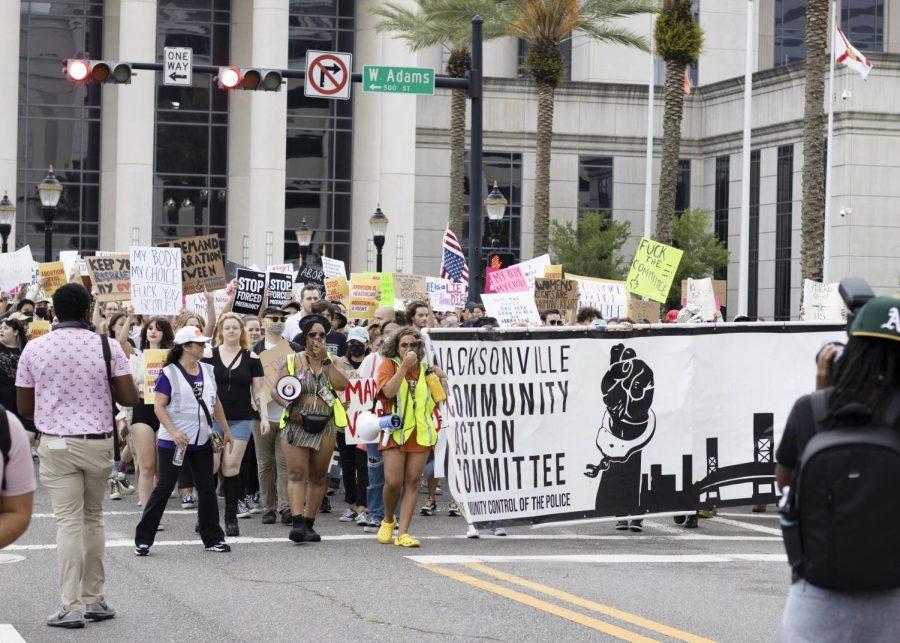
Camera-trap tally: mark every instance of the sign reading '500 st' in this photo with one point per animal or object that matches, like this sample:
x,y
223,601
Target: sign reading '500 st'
x,y
398,80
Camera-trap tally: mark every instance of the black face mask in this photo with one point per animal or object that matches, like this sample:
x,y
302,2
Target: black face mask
x,y
42,313
356,350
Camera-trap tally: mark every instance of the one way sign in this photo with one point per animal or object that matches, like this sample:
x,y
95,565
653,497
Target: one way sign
x,y
178,66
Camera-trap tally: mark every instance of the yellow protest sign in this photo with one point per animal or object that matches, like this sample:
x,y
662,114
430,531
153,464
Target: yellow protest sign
x,y
365,294
337,289
653,269
154,361
553,272
37,328
53,275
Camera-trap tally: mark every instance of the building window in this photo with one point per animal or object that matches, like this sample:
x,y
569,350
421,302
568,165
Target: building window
x,y
58,124
784,206
863,23
595,185
191,167
319,139
790,24
506,169
565,49
720,224
753,269
683,187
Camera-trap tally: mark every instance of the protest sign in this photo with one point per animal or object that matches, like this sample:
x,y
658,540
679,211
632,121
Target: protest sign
x,y
155,280
15,268
201,263
337,289
533,419
639,309
154,361
553,272
231,269
365,295
511,308
388,294
280,288
248,297
409,288
111,276
70,261
281,268
438,297
53,275
534,268
333,268
196,303
510,279
559,294
609,297
37,328
719,291
358,397
457,293
822,302
700,293
310,275
273,360
653,269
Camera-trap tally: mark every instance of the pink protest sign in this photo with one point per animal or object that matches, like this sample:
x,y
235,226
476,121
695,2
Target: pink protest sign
x,y
510,279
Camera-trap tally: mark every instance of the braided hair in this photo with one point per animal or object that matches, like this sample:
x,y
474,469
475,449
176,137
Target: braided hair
x,y
867,372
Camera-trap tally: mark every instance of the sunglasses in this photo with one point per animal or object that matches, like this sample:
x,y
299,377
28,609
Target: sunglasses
x,y
412,345
316,335
555,322
277,319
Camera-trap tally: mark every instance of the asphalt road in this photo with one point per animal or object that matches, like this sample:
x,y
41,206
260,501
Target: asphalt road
x,y
726,581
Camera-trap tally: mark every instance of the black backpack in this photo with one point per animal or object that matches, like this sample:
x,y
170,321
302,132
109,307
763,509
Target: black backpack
x,y
841,516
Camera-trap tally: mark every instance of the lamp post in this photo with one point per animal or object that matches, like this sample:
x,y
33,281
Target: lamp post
x,y
495,204
7,216
378,222
50,191
304,240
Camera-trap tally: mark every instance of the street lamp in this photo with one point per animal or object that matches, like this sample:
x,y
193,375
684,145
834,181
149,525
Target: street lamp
x,y
378,222
50,191
7,216
304,240
495,204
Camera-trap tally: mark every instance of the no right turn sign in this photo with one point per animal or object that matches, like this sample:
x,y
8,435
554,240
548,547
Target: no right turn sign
x,y
328,74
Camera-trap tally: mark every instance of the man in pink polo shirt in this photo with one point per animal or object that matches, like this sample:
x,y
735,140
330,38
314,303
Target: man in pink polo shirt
x,y
16,482
62,383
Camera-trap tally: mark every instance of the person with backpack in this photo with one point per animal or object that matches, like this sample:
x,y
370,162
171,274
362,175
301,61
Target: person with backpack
x,y
838,465
17,483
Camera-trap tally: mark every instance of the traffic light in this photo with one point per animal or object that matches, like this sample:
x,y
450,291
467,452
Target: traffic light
x,y
79,70
251,79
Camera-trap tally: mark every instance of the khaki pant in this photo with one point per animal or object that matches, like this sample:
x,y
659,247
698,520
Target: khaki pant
x,y
272,468
76,479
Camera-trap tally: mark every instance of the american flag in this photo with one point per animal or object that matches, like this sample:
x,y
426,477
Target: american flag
x,y
453,263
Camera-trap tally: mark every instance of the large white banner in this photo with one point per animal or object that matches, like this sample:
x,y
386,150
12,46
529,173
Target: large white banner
x,y
547,426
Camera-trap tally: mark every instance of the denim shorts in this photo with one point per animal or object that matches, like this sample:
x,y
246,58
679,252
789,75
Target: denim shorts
x,y
240,429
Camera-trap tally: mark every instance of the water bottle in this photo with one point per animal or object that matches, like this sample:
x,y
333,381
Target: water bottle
x,y
178,458
434,386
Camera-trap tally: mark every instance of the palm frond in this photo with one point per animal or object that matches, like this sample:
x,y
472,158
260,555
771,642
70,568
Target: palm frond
x,y
614,35
611,9
416,28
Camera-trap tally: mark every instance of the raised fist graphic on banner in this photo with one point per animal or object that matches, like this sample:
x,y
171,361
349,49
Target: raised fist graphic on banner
x,y
628,423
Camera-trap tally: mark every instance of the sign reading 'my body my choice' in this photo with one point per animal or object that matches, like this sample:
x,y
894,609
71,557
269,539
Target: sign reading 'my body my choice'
x,y
155,280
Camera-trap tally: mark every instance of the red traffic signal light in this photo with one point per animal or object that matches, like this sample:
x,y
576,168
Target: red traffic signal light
x,y
250,79
229,77
97,71
77,70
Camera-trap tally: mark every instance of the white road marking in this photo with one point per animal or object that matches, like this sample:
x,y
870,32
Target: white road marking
x,y
169,512
8,634
752,516
603,558
747,525
10,558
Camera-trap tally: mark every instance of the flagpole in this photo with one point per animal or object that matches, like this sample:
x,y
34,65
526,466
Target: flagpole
x,y
829,151
648,181
744,243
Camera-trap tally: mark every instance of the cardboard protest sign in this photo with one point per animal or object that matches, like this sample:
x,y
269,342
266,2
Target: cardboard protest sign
x,y
639,309
719,291
607,296
386,281
201,263
280,287
409,288
111,277
273,360
653,269
365,295
154,361
822,302
333,268
559,294
700,293
155,280
37,328
553,272
358,398
15,268
248,297
53,275
511,308
337,289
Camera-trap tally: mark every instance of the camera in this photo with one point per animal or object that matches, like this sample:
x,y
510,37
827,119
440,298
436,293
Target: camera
x,y
855,291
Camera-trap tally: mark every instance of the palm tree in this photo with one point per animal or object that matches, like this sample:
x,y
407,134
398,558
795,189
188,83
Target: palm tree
x,y
544,24
812,215
678,40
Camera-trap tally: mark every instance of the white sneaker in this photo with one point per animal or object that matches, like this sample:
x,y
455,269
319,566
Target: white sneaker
x,y
124,485
348,516
452,508
472,532
115,491
362,519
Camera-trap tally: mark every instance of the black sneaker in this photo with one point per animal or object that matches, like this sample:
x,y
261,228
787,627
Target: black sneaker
x,y
286,516
142,550
219,548
269,517
622,525
679,520
325,507
636,525
691,522
231,528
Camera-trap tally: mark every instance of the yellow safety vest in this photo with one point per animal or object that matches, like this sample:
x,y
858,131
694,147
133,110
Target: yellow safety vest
x,y
416,411
340,415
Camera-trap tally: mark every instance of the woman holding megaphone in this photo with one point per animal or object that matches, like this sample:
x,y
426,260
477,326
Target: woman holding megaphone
x,y
408,390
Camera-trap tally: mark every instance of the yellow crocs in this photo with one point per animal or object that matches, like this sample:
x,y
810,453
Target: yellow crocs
x,y
406,541
385,532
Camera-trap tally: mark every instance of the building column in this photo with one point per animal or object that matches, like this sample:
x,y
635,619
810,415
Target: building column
x,y
10,14
257,124
127,127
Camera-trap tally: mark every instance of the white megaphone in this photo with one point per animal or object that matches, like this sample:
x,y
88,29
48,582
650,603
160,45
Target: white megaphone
x,y
369,425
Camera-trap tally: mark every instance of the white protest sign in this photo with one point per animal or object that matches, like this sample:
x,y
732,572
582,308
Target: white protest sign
x,y
281,268
358,398
534,268
822,302
441,300
609,297
510,308
69,259
16,268
700,292
333,268
196,302
155,280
